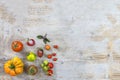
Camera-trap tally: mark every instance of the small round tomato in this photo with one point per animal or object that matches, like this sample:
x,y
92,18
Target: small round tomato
x,y
47,47
53,54
17,46
54,59
55,46
49,56
50,65
50,72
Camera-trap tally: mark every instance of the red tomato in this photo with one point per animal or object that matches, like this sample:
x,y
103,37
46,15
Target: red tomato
x,y
54,59
55,46
50,65
17,46
31,42
53,54
49,56
50,72
40,52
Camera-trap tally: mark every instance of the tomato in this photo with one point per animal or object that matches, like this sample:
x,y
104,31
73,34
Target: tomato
x,y
54,59
50,65
45,62
47,47
31,42
53,54
40,52
32,70
50,72
31,56
49,56
17,46
55,46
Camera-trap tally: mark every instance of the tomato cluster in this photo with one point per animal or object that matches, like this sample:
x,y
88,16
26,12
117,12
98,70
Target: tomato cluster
x,y
47,66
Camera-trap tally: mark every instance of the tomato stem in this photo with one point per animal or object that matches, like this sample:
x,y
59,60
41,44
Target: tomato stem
x,y
12,66
45,36
15,45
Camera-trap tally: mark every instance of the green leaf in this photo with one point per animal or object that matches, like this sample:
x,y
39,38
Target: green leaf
x,y
47,40
44,41
40,37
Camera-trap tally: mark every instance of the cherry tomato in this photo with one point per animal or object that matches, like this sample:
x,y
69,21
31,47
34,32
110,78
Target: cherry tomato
x,y
17,46
40,52
54,59
49,56
55,46
31,42
50,72
50,65
47,47
53,54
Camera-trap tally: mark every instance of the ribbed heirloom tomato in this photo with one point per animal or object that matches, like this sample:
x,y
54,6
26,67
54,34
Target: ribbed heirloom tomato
x,y
14,66
17,46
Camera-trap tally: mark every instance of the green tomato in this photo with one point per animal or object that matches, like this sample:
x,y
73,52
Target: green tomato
x,y
31,56
45,68
42,65
45,62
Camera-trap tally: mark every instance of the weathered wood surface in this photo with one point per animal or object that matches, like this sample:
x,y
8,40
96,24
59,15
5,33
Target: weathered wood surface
x,y
87,31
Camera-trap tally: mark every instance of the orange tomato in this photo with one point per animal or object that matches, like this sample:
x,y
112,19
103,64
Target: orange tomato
x,y
49,56
47,47
17,46
14,66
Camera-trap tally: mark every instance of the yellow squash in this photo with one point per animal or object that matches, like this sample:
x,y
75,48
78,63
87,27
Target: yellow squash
x,y
14,66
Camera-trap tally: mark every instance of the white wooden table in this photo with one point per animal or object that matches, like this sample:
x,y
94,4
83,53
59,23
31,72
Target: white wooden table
x,y
87,31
